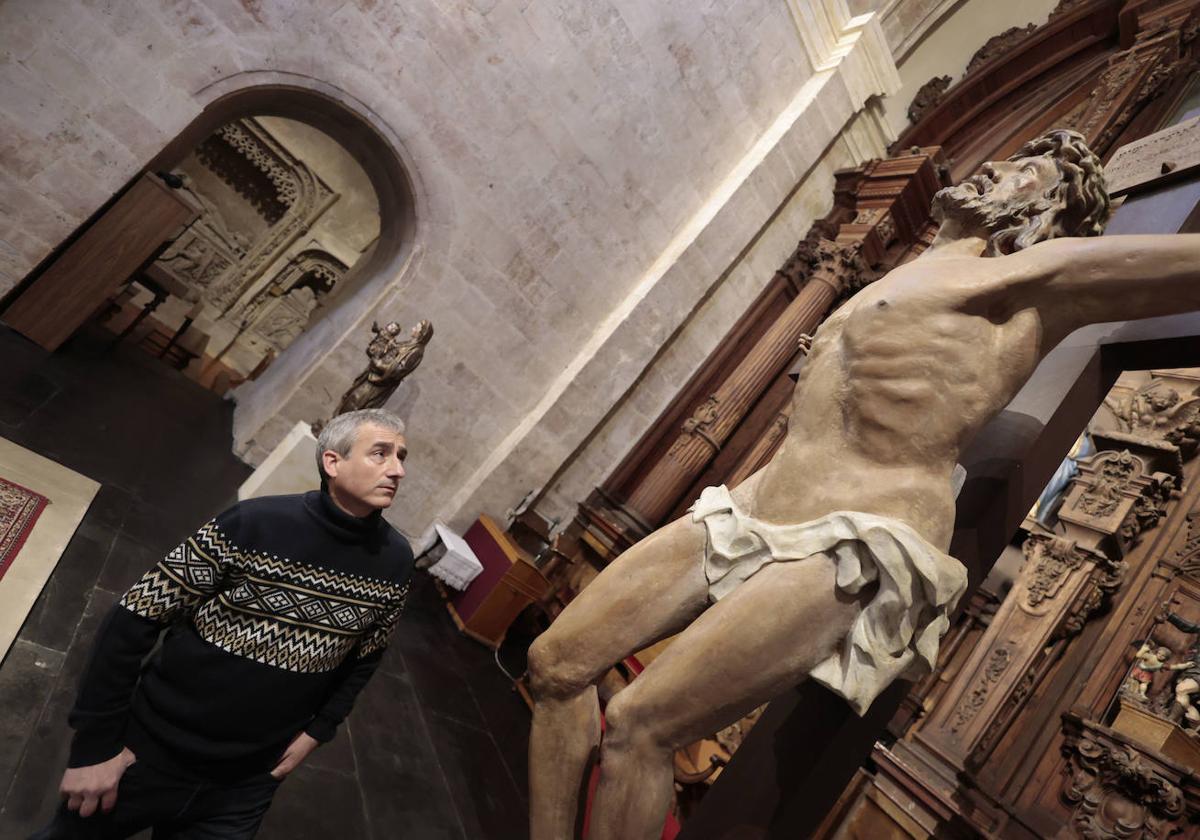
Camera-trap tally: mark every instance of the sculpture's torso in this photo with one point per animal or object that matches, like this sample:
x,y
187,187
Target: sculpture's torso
x,y
896,384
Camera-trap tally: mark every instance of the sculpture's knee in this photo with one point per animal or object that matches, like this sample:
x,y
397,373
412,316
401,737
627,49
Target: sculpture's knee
x,y
552,676
630,727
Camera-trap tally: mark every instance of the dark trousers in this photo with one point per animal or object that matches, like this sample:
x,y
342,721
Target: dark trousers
x,y
176,807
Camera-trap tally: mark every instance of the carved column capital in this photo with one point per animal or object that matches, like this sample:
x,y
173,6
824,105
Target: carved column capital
x,y
700,424
841,265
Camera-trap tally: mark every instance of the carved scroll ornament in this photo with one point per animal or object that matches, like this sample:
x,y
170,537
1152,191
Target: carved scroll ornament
x,y
999,45
928,97
1116,791
997,663
1049,562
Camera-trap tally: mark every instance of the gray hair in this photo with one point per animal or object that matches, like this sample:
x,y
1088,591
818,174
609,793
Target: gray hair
x,y
340,432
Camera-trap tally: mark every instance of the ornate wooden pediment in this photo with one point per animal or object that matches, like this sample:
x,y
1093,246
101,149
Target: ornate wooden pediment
x,y
1116,789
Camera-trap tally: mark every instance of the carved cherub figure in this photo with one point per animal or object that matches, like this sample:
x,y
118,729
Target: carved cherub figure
x,y
1148,661
1155,410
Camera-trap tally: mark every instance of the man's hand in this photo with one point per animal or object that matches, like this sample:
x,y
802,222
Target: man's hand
x,y
296,752
86,787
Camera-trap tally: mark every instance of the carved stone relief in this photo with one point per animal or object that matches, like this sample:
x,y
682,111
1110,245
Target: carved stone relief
x,y
197,258
299,199
282,319
282,312
256,200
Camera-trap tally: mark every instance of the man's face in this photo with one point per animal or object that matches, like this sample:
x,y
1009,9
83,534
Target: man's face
x,y
368,477
1001,190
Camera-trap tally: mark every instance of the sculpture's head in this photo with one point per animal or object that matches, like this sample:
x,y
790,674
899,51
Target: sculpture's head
x,y
423,331
1053,186
1164,400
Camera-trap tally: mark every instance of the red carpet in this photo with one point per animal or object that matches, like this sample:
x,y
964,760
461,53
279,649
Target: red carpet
x,y
20,508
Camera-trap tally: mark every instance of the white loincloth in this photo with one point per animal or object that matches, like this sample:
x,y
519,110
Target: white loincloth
x,y
896,634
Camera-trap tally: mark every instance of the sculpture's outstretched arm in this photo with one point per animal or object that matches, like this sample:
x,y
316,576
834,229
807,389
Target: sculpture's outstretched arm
x,y
1078,281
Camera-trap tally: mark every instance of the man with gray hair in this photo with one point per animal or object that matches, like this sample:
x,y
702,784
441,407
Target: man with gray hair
x,y
276,612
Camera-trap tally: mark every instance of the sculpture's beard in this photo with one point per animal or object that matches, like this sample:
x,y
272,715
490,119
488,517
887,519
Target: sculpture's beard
x,y
968,204
1008,226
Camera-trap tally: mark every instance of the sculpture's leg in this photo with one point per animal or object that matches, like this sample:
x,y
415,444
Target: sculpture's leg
x,y
651,591
1184,689
752,645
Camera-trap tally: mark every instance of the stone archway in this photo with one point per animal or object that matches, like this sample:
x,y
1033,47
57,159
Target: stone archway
x,y
228,111
380,152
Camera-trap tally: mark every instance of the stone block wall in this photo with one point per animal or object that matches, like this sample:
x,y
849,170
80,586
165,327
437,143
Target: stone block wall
x,y
585,173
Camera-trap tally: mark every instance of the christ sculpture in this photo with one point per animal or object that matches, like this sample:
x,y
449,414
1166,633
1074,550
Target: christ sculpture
x,y
830,562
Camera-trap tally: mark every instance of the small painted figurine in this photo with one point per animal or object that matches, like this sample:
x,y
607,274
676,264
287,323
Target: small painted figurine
x,y
1148,661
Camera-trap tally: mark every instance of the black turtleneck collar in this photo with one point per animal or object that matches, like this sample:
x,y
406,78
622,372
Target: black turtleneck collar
x,y
341,524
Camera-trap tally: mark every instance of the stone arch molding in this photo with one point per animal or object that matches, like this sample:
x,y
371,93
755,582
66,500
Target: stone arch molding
x,y
404,205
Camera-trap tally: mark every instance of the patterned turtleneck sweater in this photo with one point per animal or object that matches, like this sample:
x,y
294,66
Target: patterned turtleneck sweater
x,y
277,612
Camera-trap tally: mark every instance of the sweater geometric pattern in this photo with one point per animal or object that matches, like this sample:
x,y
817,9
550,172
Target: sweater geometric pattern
x,y
269,609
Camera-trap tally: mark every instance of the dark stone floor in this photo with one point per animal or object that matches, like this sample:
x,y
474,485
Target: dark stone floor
x,y
435,746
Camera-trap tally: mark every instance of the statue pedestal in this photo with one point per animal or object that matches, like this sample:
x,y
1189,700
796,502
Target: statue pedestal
x,y
290,468
1160,735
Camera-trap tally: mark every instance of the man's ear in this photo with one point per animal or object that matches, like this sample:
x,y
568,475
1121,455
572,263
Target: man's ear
x,y
329,459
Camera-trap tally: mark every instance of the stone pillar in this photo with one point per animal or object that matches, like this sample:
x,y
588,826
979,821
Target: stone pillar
x,y
702,434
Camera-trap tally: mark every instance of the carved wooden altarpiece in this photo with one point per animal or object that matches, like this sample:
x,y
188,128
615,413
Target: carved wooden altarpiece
x,y
981,747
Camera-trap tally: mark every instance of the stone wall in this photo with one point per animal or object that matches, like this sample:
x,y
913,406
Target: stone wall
x,y
713,317
594,189
568,162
